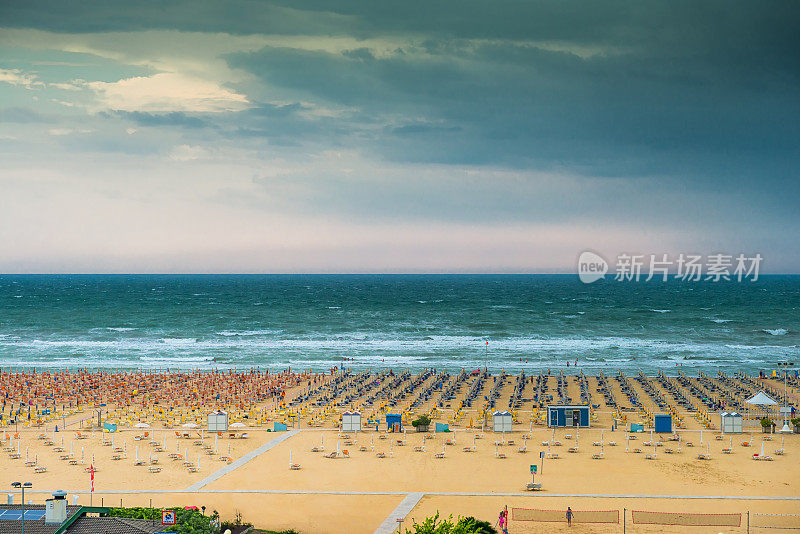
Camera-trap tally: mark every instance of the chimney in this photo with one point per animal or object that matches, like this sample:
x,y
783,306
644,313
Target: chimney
x,y
56,508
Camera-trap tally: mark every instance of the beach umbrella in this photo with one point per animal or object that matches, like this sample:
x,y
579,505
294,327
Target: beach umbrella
x,y
83,451
215,443
190,425
762,448
238,424
141,425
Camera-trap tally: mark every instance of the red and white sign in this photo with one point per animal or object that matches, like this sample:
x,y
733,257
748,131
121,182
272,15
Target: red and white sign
x,y
167,517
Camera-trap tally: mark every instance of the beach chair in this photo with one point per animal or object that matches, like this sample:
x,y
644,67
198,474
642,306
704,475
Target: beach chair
x,y
294,467
553,456
439,455
363,448
39,469
345,453
598,456
573,450
154,469
330,455
523,449
533,486
727,450
612,443
380,455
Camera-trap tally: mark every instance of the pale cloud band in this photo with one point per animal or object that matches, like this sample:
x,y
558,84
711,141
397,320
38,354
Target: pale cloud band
x,y
342,137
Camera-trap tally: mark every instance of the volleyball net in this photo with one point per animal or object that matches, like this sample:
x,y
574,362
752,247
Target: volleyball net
x,y
560,516
686,519
781,521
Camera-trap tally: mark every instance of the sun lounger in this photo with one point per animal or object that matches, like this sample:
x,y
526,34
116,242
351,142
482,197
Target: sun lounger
x,y
534,486
779,452
598,456
154,469
363,448
649,456
703,456
727,450
572,449
439,455
553,455
612,443
40,469
522,450
294,467
380,454
331,455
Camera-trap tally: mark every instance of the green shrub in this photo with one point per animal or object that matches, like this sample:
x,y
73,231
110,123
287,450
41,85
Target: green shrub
x,y
434,525
423,420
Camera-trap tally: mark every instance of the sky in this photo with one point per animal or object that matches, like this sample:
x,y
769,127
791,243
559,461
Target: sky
x,y
416,136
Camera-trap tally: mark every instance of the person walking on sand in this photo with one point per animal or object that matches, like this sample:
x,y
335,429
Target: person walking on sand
x,y
502,521
569,516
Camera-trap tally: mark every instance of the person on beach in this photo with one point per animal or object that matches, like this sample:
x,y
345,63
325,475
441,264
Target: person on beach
x,y
502,521
569,516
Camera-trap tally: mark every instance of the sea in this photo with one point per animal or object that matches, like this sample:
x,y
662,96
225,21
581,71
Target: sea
x,y
450,322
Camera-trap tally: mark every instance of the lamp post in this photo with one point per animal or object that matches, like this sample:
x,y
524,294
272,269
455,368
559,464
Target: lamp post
x,y
785,366
22,486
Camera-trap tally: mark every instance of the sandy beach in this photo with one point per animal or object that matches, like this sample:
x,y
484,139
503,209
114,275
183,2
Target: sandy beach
x,y
468,470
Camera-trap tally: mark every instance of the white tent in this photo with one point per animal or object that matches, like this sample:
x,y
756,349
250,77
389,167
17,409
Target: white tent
x,y
762,407
762,399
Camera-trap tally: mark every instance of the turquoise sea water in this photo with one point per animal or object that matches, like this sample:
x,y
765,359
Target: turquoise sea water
x,y
362,321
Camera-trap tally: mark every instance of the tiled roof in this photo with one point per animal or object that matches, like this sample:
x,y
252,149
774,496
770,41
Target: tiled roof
x,y
112,525
31,526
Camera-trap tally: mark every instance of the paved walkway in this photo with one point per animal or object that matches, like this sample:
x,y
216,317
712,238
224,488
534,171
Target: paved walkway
x,y
389,524
236,464
538,495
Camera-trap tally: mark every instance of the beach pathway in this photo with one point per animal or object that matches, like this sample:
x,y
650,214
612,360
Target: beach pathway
x,y
389,524
236,464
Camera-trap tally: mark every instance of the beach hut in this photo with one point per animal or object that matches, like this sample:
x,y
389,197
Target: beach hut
x,y
394,422
218,421
351,421
502,421
561,415
730,422
663,423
